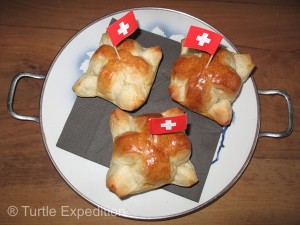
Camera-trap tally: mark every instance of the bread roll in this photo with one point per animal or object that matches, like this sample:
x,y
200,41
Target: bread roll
x,y
142,161
127,81
209,91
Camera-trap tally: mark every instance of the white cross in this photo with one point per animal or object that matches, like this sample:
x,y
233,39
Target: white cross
x,y
123,28
203,39
168,124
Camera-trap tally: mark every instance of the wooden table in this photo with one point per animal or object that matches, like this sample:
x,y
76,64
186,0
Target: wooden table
x,y
33,32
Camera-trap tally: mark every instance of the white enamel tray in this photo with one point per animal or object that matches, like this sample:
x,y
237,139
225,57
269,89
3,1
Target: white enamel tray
x,y
87,178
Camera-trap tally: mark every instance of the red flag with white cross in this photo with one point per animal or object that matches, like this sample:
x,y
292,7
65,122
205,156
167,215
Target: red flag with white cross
x,y
202,39
122,28
169,124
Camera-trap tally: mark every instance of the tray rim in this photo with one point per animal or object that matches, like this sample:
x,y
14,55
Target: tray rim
x,y
146,218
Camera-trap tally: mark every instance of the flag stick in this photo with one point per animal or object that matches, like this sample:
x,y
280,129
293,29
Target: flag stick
x,y
211,56
115,48
117,52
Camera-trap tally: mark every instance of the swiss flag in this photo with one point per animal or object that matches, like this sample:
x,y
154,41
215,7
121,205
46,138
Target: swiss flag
x,y
202,39
168,124
122,28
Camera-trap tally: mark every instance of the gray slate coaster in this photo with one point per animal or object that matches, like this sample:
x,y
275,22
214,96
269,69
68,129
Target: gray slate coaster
x,y
87,133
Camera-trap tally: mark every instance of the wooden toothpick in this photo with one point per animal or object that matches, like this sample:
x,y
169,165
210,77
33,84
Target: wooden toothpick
x,y
211,56
117,52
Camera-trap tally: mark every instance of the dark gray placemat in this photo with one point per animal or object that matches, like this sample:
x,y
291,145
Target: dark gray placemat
x,y
87,132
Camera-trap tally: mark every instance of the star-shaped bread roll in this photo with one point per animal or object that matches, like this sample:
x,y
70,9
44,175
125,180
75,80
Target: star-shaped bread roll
x,y
124,81
142,161
209,91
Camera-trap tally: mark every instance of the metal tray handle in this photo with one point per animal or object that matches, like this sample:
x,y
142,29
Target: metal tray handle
x,y
11,94
289,129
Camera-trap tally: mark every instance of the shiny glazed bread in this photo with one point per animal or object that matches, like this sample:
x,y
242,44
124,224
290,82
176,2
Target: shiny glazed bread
x,y
142,161
127,81
209,91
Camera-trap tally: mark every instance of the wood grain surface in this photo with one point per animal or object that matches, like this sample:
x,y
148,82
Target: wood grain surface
x,y
33,32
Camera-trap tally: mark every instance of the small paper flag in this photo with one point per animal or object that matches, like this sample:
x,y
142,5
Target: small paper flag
x,y
202,39
168,124
122,28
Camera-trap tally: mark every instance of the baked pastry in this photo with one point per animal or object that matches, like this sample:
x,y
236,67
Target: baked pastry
x,y
142,161
209,91
127,81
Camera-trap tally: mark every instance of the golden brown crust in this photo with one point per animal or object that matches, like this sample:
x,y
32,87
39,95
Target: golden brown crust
x,y
142,161
209,91
125,82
